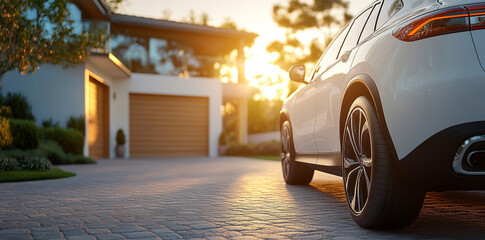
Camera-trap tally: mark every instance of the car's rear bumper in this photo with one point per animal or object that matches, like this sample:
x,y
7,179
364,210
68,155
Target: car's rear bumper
x,y
430,165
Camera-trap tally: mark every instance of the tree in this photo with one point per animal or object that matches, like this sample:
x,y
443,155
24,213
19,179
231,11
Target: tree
x,y
322,17
33,32
193,19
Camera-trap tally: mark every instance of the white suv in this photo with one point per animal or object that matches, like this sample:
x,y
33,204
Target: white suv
x,y
396,106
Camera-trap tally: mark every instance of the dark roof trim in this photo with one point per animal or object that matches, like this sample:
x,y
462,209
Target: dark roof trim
x,y
178,26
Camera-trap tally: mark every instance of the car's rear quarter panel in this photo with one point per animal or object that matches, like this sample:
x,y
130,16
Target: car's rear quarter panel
x,y
429,85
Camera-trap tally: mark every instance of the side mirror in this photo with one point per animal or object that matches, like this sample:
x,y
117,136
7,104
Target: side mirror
x,y
297,73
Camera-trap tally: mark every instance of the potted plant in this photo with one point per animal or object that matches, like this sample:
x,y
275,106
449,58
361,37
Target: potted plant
x,y
222,143
120,144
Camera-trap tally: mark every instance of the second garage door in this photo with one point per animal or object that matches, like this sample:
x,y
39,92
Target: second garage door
x,y
163,125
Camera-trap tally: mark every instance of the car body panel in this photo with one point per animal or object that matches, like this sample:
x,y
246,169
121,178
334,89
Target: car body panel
x,y
422,96
478,40
425,86
304,119
330,89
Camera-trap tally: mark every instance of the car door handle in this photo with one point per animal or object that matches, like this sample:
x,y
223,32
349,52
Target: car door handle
x,y
345,56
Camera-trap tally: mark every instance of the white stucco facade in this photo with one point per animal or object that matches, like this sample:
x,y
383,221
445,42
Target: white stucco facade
x,y
52,91
59,93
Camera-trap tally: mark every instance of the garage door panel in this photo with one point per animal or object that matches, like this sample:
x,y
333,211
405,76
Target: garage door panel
x,y
163,125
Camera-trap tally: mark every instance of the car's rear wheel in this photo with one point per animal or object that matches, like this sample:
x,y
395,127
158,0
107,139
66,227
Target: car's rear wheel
x,y
294,173
376,194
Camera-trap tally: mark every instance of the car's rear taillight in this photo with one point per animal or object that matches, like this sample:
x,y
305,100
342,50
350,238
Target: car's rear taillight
x,y
434,24
477,16
459,19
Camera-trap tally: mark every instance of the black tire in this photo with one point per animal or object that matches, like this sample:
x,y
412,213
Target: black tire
x,y
376,194
294,173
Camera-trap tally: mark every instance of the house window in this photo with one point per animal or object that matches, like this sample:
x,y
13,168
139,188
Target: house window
x,y
163,56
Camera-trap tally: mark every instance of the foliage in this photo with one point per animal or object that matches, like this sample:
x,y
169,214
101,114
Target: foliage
x,y
263,116
113,5
223,138
53,152
78,159
203,19
272,158
19,106
28,40
31,160
70,140
299,16
25,134
18,176
262,149
120,137
77,123
5,134
49,123
7,164
229,24
34,163
21,154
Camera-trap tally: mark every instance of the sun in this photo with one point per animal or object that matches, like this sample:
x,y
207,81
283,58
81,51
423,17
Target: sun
x,y
262,74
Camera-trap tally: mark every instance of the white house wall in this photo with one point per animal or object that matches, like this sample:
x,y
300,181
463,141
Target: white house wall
x,y
54,93
169,85
119,100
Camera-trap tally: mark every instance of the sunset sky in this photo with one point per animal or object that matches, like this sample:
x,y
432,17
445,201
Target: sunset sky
x,y
251,15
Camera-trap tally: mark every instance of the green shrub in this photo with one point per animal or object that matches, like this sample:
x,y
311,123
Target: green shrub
x,y
35,163
57,156
223,138
70,140
79,159
5,134
7,164
268,148
21,154
77,123
49,123
120,137
53,152
262,149
25,134
240,150
20,107
34,160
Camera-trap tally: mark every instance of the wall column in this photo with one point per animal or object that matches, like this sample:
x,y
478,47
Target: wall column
x,y
242,108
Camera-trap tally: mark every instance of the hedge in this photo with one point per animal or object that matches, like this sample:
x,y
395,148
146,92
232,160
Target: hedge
x,y
25,134
70,140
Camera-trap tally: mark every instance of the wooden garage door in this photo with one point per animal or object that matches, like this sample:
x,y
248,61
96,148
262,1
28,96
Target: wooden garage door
x,y
168,126
98,119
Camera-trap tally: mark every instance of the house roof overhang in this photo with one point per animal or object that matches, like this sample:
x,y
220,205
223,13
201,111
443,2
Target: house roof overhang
x,y
110,64
93,9
205,40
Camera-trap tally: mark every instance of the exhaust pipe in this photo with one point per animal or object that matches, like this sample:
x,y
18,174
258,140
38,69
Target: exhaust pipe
x,y
470,157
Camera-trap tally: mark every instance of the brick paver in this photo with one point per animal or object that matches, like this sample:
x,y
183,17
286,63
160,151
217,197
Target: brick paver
x,y
202,198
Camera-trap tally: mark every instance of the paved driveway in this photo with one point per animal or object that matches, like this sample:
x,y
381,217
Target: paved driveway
x,y
225,198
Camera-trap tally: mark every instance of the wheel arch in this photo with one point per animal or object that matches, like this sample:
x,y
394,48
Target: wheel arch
x,y
364,85
284,116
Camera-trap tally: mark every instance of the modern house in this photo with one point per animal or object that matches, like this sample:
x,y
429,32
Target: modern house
x,y
159,81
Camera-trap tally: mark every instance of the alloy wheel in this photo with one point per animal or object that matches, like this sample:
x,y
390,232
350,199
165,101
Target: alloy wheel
x,y
357,160
285,150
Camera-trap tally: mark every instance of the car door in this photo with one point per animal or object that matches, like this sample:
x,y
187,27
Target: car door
x,y
330,87
304,120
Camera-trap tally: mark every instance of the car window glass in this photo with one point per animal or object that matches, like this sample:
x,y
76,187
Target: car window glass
x,y
354,33
371,23
389,8
331,52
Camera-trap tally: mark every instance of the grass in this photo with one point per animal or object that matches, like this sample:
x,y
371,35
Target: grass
x,y
272,158
20,176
